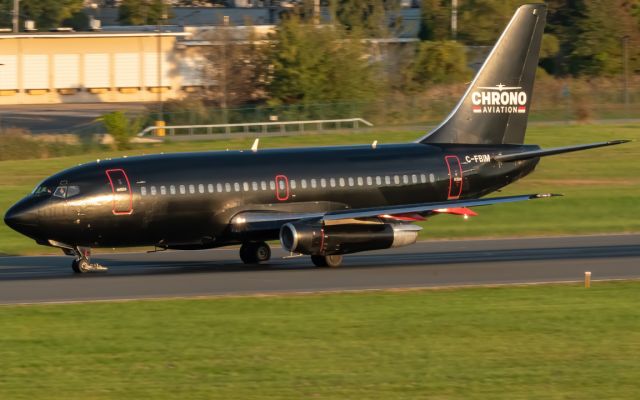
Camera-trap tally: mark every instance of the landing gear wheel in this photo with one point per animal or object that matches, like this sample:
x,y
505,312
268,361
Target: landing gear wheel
x,y
254,253
82,263
332,261
81,266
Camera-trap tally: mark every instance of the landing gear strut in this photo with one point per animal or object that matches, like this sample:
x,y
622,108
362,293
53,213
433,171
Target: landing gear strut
x,y
81,264
255,252
332,261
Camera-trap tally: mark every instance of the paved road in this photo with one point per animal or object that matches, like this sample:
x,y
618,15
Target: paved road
x,y
219,272
65,118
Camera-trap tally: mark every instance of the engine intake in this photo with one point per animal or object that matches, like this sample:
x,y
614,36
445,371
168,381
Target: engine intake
x,y
315,239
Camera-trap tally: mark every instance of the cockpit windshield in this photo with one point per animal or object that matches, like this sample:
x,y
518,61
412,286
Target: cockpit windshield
x,y
42,190
62,191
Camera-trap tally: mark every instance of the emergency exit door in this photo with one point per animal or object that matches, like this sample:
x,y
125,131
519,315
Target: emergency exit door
x,y
455,177
121,189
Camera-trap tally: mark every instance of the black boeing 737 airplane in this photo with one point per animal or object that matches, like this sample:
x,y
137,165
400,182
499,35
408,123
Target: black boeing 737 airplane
x,y
324,202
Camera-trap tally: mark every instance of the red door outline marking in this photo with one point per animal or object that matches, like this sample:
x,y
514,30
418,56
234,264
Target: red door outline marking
x,y
455,182
113,190
280,195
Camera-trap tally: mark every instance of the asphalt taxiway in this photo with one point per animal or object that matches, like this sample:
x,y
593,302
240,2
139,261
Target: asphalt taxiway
x,y
220,272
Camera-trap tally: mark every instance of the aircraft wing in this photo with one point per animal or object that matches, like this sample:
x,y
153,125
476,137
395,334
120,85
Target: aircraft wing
x,y
424,208
258,220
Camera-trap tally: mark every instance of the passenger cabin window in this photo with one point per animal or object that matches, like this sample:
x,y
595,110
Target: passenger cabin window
x,y
432,178
341,181
313,183
245,186
143,191
396,179
272,185
293,184
387,180
254,186
172,189
323,183
405,179
360,181
332,182
414,178
263,185
351,181
236,186
163,190
153,190
192,189
227,187
423,178
369,181
182,189
378,180
201,188
210,188
219,187
303,183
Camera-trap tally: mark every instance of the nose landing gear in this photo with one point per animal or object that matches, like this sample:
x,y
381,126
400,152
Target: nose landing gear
x,y
81,264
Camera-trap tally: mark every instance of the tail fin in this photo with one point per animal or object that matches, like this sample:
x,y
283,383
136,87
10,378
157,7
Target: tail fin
x,y
495,107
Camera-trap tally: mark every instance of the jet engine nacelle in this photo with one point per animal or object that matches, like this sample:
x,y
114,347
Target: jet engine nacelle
x,y
314,238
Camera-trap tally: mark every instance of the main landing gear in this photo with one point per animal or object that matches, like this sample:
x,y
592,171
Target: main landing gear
x,y
81,264
255,252
332,261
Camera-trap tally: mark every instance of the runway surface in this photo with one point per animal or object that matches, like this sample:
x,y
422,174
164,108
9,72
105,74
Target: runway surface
x,y
220,272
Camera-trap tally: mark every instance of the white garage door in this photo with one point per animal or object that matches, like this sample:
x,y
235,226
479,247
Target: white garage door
x,y
9,72
127,70
66,72
35,68
151,69
96,70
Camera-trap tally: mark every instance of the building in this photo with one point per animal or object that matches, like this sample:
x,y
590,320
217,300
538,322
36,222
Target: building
x,y
80,67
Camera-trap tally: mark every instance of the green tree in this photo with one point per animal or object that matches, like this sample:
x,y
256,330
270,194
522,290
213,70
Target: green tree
x,y
436,63
121,128
46,13
312,64
435,20
371,17
141,12
598,45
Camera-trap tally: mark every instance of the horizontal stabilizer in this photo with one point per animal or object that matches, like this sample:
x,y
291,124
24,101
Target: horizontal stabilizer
x,y
549,152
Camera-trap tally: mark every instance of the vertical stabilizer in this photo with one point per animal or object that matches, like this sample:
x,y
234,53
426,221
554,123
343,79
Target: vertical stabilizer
x,y
495,107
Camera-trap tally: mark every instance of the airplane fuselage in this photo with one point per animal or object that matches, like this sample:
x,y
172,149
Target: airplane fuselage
x,y
189,200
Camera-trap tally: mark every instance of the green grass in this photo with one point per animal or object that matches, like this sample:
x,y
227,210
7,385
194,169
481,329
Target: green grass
x,y
602,186
536,342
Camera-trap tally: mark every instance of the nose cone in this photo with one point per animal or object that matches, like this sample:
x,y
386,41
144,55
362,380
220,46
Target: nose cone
x,y
22,217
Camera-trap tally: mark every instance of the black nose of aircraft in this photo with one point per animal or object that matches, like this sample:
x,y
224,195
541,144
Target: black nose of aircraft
x,y
22,217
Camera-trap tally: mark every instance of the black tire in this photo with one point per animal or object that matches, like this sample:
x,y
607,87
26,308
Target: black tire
x,y
247,253
81,266
332,261
319,261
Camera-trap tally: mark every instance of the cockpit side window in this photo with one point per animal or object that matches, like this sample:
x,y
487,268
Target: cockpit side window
x,y
65,192
61,191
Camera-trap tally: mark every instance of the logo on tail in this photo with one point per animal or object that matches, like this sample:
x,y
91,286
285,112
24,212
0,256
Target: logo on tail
x,y
499,99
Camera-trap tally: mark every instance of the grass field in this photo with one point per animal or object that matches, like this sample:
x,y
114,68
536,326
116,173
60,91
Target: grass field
x,y
535,342
602,186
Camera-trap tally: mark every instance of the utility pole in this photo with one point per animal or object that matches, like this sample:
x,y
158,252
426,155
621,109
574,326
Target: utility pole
x,y
625,68
15,16
160,123
454,19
